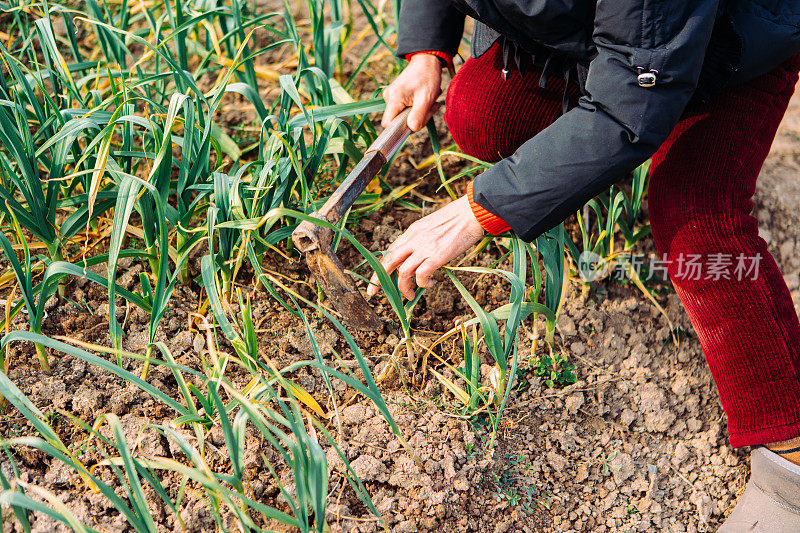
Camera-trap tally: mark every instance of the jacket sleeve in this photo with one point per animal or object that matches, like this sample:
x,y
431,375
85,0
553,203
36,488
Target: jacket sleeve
x,y
429,25
617,125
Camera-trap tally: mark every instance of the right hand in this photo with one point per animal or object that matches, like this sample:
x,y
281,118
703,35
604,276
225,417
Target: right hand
x,y
418,87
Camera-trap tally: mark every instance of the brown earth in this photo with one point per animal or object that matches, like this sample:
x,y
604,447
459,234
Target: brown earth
x,y
637,444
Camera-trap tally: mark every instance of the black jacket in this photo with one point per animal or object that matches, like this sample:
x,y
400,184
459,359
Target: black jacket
x,y
694,48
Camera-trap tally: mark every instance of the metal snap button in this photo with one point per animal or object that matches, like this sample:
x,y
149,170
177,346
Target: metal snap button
x,y
646,79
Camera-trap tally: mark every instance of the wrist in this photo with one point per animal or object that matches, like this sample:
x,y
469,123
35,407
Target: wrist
x,y
431,58
488,221
473,226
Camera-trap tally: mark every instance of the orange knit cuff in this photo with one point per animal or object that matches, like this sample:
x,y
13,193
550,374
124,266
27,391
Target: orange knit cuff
x,y
444,56
489,221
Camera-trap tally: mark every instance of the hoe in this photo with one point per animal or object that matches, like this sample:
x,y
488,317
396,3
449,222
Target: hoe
x,y
315,241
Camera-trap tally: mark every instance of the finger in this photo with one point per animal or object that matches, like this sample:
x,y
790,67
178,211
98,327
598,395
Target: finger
x,y
387,261
393,108
406,273
390,261
395,258
374,285
419,111
425,271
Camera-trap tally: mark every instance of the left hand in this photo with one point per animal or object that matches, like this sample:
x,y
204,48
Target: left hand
x,y
429,244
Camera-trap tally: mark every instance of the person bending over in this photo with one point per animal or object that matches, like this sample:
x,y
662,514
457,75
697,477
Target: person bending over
x,y
568,97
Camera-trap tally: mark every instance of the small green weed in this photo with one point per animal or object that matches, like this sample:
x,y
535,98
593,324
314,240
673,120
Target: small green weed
x,y
605,463
514,485
554,370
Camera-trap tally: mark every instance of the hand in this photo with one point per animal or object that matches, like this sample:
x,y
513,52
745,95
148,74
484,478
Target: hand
x,y
418,86
428,244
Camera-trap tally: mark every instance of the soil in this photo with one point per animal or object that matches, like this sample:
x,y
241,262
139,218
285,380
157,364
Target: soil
x,y
638,443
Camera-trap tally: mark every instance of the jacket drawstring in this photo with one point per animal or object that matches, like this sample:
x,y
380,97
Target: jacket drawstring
x,y
506,52
509,46
565,96
543,76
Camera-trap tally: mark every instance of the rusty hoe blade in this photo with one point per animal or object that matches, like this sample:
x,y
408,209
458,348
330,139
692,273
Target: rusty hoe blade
x,y
315,241
341,290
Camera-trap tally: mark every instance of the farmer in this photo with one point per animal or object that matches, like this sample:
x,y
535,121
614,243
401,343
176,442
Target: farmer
x,y
568,97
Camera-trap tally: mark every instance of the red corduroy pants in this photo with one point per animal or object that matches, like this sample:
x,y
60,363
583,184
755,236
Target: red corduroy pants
x,y
701,183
